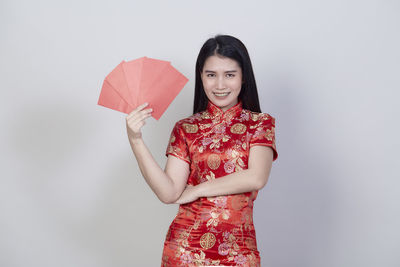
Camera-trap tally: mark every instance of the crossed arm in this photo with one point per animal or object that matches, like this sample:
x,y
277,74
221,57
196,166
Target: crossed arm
x,y
170,184
253,178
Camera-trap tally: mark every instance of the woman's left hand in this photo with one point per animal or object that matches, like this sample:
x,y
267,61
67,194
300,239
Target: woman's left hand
x,y
190,194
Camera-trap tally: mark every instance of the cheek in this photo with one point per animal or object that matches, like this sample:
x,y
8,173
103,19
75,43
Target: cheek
x,y
236,84
207,85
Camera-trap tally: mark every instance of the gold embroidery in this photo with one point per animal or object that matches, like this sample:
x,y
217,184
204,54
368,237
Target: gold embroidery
x,y
226,214
196,224
247,219
270,133
211,176
239,165
265,116
244,146
198,258
238,201
229,116
215,143
214,218
251,243
204,126
164,260
238,128
172,139
255,116
190,128
205,115
213,161
207,240
253,260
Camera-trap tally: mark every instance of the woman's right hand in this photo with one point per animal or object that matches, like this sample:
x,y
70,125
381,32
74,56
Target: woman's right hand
x,y
135,121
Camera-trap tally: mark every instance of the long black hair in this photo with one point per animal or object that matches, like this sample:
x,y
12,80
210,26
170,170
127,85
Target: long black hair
x,y
233,48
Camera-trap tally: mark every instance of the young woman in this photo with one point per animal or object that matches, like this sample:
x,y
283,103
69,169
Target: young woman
x,y
218,159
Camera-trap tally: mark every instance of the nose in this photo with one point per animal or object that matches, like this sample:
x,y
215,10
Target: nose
x,y
220,83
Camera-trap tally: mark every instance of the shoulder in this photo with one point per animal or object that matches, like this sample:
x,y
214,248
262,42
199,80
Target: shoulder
x,y
190,124
193,119
258,118
190,119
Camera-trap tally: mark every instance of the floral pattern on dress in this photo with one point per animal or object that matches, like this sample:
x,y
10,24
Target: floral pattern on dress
x,y
216,231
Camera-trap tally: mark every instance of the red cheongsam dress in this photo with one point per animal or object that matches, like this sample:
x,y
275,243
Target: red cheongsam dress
x,y
216,231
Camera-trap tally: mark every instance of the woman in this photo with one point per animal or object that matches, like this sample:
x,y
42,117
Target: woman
x,y
218,159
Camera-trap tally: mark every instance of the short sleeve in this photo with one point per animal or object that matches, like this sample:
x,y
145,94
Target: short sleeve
x,y
264,133
177,145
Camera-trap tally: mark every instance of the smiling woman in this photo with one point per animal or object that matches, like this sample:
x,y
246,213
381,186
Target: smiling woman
x,y
218,159
222,81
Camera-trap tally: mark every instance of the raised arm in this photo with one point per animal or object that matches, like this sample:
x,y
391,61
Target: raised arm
x,y
167,184
253,178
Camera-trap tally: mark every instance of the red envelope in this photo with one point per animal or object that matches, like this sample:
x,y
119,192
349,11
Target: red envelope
x,y
132,83
111,99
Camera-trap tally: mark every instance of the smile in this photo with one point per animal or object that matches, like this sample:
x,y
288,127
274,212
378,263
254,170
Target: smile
x,y
222,94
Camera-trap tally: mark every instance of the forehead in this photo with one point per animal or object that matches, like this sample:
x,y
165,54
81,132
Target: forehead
x,y
219,63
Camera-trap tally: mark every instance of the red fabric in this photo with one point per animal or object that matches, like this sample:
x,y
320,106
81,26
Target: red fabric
x,y
216,231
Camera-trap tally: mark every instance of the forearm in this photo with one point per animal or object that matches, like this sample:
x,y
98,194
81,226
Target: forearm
x,y
235,183
161,184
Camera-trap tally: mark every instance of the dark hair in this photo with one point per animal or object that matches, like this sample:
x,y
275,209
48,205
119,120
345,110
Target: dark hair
x,y
231,47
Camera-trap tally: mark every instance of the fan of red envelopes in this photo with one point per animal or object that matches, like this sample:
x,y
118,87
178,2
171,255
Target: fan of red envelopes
x,y
135,82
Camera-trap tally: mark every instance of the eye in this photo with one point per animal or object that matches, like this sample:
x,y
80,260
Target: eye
x,y
210,75
230,75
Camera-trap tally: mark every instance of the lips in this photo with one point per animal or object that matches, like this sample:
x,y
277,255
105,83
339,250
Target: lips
x,y
222,94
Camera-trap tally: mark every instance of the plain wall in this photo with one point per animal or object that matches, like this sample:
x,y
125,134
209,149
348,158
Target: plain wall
x,y
71,193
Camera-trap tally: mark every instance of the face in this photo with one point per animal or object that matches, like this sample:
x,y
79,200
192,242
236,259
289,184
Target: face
x,y
222,81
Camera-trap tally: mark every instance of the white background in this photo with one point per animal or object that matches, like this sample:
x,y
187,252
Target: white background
x,y
71,193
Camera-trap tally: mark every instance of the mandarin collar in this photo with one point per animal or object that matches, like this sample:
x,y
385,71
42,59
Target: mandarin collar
x,y
217,112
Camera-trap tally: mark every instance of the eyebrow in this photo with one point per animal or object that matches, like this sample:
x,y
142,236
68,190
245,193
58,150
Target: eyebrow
x,y
225,71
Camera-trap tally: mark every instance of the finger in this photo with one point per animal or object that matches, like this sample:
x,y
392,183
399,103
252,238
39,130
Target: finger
x,y
136,126
138,117
137,109
139,113
142,105
144,117
146,111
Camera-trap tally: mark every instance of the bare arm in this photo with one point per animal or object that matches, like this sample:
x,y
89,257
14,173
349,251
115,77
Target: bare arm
x,y
167,184
253,178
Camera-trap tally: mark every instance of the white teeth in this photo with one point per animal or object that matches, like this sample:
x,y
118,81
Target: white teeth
x,y
221,94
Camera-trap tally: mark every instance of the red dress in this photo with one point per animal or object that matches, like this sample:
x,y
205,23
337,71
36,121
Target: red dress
x,y
216,231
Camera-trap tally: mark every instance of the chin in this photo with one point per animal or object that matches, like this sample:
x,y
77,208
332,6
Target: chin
x,y
224,103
